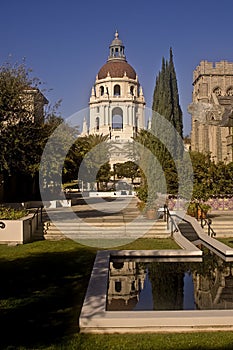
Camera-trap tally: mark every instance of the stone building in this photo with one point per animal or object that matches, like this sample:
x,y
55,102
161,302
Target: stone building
x,y
212,110
35,102
117,102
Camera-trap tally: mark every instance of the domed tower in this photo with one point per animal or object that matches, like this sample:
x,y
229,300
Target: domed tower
x,y
117,102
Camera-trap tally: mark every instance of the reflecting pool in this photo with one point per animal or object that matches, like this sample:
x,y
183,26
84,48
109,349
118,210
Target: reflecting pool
x,y
157,284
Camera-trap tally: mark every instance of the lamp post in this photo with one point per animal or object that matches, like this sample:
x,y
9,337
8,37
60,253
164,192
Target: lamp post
x,y
114,176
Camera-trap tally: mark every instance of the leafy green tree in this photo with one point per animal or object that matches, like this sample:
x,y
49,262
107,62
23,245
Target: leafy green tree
x,y
87,159
54,163
103,176
127,169
23,131
210,178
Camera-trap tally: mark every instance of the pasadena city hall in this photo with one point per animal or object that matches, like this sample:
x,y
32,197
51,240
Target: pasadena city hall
x,y
117,106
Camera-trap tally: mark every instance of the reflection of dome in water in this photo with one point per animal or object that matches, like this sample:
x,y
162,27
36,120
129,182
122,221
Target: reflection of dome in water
x,y
120,304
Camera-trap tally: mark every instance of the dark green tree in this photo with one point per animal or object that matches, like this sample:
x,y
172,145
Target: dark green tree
x,y
166,96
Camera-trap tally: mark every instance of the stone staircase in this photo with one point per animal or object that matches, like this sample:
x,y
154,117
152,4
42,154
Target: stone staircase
x,y
93,230
112,226
222,224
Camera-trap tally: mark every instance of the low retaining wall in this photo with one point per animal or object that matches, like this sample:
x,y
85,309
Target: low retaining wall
x,y
19,231
216,203
112,194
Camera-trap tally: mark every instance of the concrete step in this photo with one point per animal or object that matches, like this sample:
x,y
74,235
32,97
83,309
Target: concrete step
x,y
159,229
222,227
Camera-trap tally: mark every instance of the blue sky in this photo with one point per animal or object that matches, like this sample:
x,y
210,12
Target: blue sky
x,y
66,42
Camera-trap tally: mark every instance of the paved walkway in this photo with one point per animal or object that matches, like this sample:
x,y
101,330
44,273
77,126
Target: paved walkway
x,y
107,210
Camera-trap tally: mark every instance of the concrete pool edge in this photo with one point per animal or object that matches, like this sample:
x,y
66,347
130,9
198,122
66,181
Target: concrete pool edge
x,y
95,319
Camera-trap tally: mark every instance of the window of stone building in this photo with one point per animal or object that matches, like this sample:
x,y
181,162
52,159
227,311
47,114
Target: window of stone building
x,y
133,288
118,286
101,91
117,90
132,90
230,91
117,118
217,91
118,265
97,123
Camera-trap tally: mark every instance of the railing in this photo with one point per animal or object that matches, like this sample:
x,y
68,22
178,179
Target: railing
x,y
205,221
171,224
36,214
208,222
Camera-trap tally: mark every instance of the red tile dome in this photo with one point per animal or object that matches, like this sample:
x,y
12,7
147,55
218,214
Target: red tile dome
x,y
116,69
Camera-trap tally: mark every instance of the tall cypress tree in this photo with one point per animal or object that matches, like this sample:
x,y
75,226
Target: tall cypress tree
x,y
166,96
176,112
167,147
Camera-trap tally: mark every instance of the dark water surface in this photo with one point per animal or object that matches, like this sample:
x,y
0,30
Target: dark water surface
x,y
162,285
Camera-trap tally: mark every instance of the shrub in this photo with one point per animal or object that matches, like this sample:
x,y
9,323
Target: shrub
x,y
12,214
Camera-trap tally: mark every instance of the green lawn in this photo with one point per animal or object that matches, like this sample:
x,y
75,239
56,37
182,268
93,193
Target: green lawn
x,y
42,288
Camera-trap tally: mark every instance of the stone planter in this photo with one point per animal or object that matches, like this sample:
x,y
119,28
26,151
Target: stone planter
x,y
18,231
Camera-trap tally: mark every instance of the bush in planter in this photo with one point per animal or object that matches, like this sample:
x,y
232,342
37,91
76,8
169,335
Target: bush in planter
x,y
12,214
141,206
198,209
192,209
204,208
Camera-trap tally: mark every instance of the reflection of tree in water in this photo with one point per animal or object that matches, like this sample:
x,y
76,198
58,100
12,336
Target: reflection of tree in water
x,y
167,285
212,278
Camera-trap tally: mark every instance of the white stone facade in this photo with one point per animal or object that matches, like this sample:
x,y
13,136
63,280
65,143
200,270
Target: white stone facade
x,y
117,102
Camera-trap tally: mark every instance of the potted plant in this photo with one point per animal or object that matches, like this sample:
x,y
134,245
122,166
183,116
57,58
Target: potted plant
x,y
198,210
192,209
151,209
204,209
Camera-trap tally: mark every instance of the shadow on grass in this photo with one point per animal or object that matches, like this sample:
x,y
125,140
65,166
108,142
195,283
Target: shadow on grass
x,y
41,296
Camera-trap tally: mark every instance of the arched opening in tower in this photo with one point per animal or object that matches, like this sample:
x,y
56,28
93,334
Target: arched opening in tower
x,y
117,90
97,123
117,118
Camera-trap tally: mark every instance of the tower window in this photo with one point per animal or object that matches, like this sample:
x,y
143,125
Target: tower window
x,y
101,91
218,91
132,90
117,118
118,286
230,91
117,90
97,123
